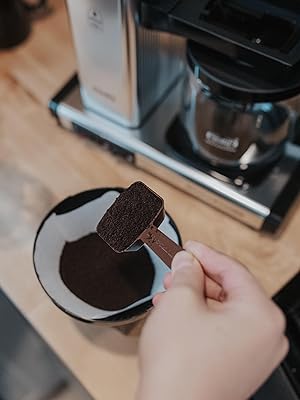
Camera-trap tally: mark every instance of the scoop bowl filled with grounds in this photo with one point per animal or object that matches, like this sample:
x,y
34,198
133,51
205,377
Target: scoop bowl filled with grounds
x,y
133,220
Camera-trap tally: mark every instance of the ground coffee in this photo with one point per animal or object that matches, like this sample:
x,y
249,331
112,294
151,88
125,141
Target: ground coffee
x,y
131,213
103,278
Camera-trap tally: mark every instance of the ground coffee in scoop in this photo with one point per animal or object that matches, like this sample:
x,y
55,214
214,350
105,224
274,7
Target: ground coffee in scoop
x,y
131,213
103,278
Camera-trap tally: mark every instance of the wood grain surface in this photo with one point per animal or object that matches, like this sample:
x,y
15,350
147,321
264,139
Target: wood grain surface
x,y
41,164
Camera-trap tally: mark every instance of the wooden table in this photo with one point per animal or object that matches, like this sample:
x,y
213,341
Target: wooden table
x,y
40,164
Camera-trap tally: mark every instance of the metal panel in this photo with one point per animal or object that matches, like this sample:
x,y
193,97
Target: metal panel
x,y
124,70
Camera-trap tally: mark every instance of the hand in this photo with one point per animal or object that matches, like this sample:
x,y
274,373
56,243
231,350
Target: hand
x,y
196,348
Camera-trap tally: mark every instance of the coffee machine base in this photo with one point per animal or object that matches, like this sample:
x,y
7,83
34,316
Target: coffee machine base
x,y
262,203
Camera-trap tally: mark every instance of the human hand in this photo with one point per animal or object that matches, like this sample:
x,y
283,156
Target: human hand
x,y
195,348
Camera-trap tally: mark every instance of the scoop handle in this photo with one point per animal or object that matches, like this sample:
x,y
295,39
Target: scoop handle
x,y
162,245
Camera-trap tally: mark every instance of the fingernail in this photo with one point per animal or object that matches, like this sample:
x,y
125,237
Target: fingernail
x,y
222,296
183,260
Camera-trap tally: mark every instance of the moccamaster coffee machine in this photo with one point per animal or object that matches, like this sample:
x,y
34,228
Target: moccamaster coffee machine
x,y
192,92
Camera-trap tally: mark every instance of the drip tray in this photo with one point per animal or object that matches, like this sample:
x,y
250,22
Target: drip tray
x,y
260,203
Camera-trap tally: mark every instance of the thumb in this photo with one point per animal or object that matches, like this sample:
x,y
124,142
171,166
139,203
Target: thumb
x,y
187,272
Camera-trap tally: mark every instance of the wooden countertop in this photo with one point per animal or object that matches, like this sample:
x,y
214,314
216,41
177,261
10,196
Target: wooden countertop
x,y
40,164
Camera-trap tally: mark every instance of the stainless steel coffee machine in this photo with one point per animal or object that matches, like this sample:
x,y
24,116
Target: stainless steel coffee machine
x,y
124,69
192,92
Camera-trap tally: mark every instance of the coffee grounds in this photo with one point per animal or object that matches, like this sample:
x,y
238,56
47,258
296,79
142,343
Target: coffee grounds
x,y
103,278
131,213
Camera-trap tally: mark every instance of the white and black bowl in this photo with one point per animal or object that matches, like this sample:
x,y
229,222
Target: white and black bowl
x,y
72,219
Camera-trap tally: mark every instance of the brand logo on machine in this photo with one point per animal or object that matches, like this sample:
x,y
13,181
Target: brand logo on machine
x,y
95,18
228,144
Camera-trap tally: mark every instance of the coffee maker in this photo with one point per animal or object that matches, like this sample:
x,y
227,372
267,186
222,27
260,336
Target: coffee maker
x,y
192,92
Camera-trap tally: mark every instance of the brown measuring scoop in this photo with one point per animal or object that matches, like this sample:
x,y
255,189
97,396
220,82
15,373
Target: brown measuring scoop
x,y
133,219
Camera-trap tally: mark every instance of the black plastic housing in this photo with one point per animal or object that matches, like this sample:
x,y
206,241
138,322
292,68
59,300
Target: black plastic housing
x,y
261,36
